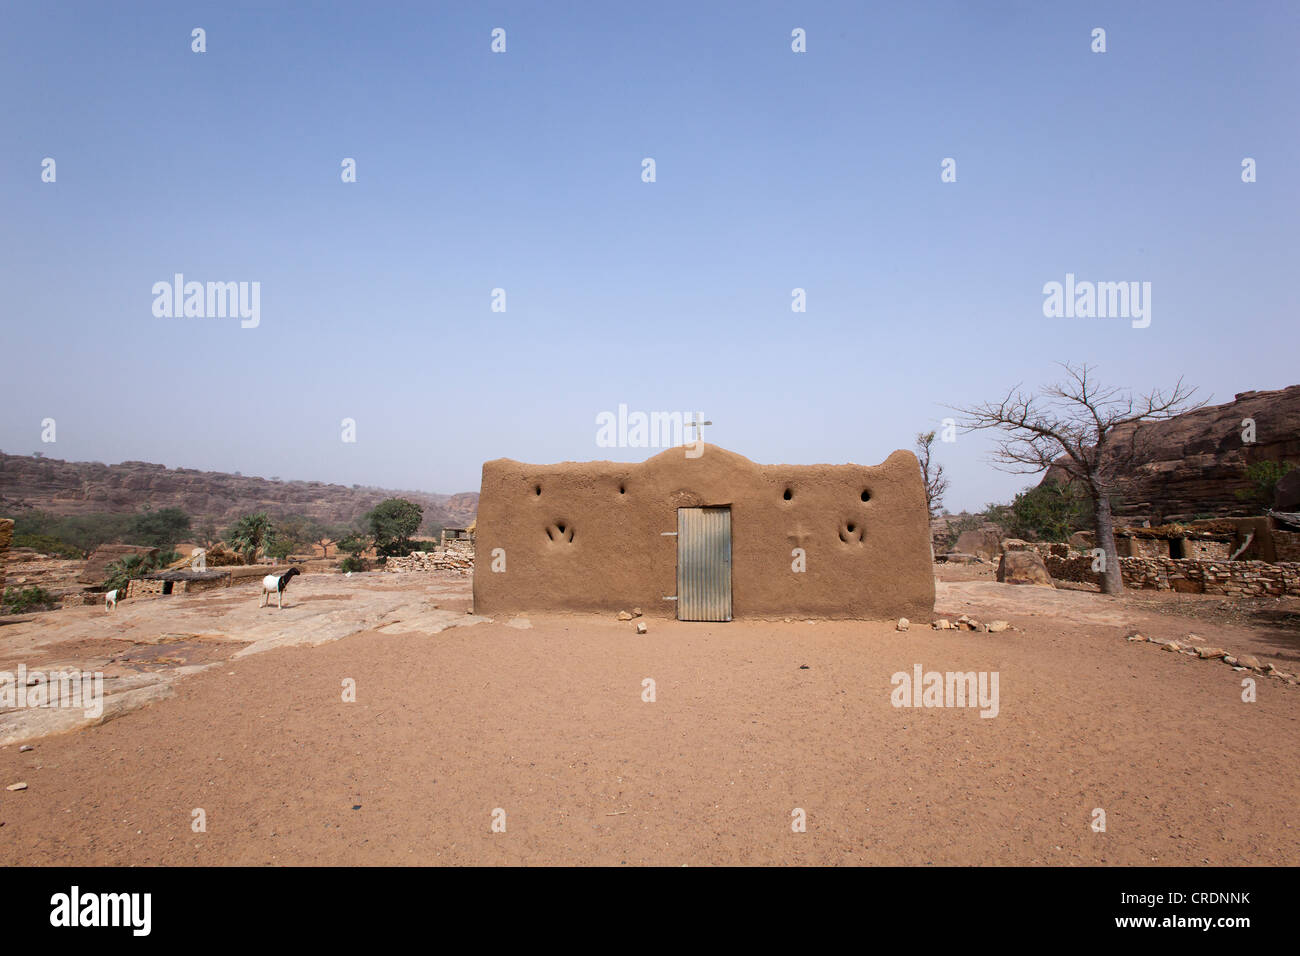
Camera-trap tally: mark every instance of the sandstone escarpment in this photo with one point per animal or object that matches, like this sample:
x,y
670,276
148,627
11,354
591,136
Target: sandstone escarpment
x,y
67,487
1194,465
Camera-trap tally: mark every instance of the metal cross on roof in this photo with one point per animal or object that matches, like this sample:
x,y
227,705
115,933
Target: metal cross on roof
x,y
699,426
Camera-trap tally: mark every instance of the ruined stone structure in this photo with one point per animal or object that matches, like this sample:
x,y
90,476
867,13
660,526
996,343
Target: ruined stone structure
x,y
756,541
1177,543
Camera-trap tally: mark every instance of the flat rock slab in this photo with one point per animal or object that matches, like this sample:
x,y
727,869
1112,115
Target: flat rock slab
x,y
145,645
418,619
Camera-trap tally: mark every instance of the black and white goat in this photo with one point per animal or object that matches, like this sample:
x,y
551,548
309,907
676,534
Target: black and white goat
x,y
276,583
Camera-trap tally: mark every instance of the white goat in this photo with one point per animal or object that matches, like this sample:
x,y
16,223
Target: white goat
x,y
110,599
276,583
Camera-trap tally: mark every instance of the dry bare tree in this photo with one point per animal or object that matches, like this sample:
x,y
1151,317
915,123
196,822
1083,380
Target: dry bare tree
x,y
1089,431
324,541
931,473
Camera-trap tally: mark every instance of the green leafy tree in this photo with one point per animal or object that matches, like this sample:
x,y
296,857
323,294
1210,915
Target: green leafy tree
x,y
162,529
1049,512
84,532
1264,476
280,547
250,534
392,523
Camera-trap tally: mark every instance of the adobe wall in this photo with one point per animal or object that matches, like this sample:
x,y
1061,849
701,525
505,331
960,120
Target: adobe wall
x,y
612,555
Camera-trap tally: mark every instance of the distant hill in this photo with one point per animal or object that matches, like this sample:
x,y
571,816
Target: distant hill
x,y
1194,464
84,487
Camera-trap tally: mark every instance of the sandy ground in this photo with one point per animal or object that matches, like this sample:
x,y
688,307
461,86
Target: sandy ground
x,y
751,720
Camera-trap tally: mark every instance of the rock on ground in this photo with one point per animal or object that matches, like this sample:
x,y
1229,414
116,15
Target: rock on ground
x,y
1024,567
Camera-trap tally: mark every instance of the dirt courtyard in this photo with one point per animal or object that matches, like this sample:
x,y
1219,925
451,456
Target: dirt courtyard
x,y
541,724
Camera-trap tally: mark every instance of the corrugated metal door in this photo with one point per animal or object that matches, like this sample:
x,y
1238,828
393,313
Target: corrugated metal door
x,y
704,564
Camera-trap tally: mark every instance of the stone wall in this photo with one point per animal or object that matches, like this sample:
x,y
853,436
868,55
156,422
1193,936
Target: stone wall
x,y
1286,545
1132,547
1236,578
141,588
1075,567
453,559
1206,550
1189,575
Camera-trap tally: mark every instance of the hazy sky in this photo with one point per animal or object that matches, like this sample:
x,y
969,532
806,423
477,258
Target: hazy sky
x,y
522,170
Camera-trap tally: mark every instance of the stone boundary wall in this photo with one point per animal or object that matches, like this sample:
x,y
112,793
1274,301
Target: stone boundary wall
x,y
1190,575
453,559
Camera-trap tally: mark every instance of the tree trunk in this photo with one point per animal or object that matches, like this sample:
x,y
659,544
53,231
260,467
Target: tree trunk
x,y
1112,581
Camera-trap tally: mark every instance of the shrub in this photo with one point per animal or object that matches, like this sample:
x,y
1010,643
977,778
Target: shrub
x,y
1264,476
28,599
353,562
47,544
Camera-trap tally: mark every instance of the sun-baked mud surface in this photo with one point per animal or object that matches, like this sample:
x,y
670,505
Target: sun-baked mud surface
x,y
751,721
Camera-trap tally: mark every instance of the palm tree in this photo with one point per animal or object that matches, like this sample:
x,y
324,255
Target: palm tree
x,y
125,569
250,534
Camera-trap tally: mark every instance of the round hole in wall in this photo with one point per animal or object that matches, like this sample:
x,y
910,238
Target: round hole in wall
x,y
622,489
537,489
866,495
850,529
788,494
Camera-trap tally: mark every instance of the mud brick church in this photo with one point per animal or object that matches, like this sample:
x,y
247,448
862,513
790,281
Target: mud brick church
x,y
706,538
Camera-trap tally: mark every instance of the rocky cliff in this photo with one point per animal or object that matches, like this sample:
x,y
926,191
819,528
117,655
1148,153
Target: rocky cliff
x,y
78,487
1193,465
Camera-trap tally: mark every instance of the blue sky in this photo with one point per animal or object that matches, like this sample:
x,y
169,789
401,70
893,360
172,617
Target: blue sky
x,y
522,171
